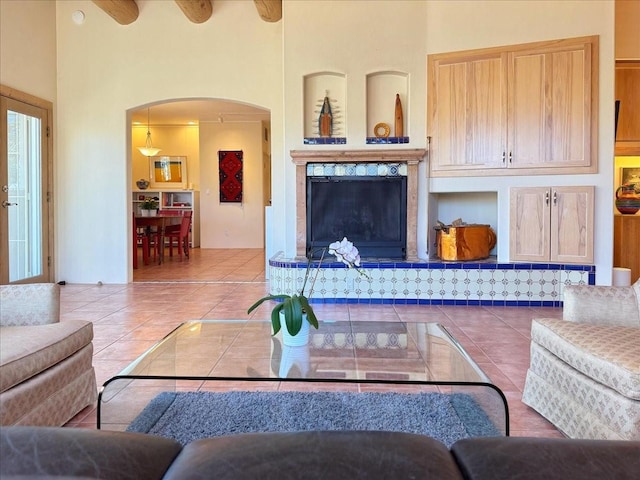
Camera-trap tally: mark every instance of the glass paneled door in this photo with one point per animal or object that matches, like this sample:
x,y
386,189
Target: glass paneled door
x,y
24,215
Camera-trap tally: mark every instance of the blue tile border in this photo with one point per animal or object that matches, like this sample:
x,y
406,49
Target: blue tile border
x,y
325,140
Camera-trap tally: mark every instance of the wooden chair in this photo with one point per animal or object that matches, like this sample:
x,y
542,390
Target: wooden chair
x,y
180,233
140,237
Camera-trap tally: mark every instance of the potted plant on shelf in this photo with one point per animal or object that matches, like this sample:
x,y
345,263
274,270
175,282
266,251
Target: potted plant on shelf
x,y
149,207
294,313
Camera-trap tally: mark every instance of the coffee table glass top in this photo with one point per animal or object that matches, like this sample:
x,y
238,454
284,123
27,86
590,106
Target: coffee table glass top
x,y
355,356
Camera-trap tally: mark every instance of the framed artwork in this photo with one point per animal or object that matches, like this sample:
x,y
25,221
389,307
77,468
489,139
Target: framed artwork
x,y
168,172
230,171
626,174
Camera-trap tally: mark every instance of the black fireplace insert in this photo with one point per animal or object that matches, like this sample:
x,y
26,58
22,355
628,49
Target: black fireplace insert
x,y
370,211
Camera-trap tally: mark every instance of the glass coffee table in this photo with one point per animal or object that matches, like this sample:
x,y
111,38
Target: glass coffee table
x,y
361,356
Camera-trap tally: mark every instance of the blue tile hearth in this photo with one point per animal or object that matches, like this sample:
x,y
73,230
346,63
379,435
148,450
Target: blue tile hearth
x,y
432,282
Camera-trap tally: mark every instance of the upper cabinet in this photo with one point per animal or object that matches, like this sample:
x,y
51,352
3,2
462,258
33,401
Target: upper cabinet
x,y
628,108
523,109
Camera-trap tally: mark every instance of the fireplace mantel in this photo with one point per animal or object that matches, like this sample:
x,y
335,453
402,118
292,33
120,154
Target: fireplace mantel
x,y
411,157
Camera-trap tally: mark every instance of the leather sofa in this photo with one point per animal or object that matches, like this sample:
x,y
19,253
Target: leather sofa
x,y
41,452
584,373
46,369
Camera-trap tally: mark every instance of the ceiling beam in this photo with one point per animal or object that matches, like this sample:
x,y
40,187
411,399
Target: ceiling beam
x,y
198,11
269,10
122,11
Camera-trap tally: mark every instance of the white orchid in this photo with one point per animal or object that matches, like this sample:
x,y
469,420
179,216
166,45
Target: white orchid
x,y
345,252
294,306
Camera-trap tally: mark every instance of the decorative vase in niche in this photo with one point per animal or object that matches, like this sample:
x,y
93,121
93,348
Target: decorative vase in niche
x,y
142,184
627,200
301,338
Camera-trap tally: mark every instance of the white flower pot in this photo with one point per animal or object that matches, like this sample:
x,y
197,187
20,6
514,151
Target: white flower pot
x,y
294,361
301,338
145,213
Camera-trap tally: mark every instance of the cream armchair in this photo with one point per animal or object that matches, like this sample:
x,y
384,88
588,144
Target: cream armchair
x,y
46,372
584,373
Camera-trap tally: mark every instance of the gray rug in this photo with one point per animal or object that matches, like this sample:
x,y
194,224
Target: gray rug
x,y
188,416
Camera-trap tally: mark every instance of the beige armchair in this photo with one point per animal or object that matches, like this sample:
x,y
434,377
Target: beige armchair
x,y
584,373
46,372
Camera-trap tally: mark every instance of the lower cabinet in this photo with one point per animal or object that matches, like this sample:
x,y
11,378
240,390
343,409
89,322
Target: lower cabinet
x,y
551,224
626,243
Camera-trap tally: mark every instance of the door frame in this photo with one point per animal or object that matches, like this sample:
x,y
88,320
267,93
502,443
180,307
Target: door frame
x,y
47,156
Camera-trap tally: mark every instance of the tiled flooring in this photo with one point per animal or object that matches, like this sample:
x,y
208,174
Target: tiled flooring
x,y
222,284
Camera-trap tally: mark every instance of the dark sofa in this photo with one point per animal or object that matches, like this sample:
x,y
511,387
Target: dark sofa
x,y
42,452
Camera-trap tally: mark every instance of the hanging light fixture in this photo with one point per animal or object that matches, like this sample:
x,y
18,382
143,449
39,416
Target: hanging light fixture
x,y
148,150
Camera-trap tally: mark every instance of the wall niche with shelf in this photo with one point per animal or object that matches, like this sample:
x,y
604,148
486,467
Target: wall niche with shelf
x,y
382,108
326,127
470,207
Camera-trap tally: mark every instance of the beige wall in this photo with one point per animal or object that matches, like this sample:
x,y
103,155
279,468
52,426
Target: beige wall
x,y
28,47
231,225
105,69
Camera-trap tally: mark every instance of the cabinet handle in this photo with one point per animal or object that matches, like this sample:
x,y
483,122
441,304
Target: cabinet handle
x,y
504,157
555,198
546,198
510,157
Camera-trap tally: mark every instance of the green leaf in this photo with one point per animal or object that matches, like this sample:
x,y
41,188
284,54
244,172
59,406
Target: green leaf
x,y
264,299
275,318
311,316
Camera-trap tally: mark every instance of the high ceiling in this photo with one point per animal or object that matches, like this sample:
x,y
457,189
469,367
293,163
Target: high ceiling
x,y
199,111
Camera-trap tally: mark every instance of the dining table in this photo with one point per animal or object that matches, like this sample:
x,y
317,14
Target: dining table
x,y
160,222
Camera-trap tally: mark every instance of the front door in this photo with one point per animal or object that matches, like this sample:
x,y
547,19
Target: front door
x,y
24,193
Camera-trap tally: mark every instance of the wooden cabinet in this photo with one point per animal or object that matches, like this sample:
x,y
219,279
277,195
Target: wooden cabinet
x,y
523,109
551,224
626,243
174,202
628,115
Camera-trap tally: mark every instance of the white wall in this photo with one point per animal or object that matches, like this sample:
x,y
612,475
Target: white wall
x,y
231,225
344,37
28,47
106,69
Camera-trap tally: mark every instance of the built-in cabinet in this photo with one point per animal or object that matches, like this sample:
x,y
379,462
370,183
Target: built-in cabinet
x,y
626,243
522,109
174,202
552,224
628,108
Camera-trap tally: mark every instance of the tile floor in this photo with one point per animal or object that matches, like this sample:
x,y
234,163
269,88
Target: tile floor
x,y
219,284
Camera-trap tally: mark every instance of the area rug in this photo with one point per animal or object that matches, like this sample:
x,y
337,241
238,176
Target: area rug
x,y
188,416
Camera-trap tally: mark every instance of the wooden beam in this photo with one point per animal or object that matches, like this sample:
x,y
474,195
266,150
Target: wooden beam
x,y
269,10
198,11
122,11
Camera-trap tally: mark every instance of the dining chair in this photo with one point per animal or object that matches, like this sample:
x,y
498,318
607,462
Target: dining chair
x,y
180,233
140,237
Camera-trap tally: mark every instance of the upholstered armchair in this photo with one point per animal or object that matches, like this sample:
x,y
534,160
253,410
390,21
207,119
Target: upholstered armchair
x,y
31,304
584,373
601,305
46,372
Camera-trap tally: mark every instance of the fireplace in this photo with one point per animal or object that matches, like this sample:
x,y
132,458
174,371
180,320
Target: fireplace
x,y
315,163
370,210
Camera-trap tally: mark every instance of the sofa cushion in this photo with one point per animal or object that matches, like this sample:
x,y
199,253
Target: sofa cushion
x,y
548,458
322,455
608,354
28,350
44,452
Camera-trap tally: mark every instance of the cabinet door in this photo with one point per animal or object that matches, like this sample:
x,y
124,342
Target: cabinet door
x,y
572,224
550,107
628,121
467,112
529,227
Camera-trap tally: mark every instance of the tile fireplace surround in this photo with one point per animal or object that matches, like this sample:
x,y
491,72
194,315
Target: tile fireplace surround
x,y
413,281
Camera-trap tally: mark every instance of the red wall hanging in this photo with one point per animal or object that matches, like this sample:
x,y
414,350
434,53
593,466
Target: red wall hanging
x,y
230,166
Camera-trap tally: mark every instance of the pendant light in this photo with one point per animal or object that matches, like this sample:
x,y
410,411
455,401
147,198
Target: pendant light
x,y
148,150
